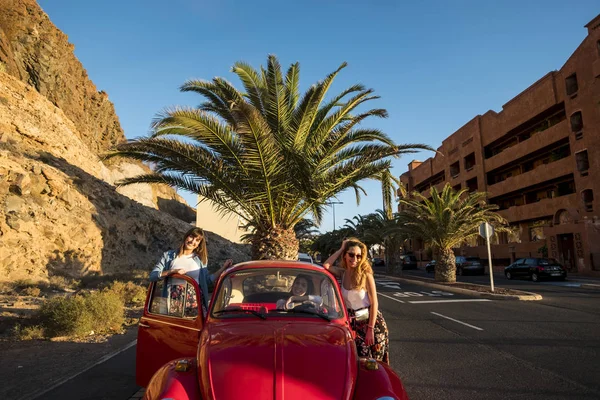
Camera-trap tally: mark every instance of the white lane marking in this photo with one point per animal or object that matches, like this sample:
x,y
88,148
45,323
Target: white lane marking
x,y
447,301
390,297
455,320
100,361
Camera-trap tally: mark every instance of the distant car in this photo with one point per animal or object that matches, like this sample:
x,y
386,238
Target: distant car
x,y
408,262
378,262
305,258
430,266
536,269
249,345
469,265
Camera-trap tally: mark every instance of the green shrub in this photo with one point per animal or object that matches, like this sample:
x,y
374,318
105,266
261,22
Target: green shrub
x,y
28,332
98,312
57,282
129,292
31,291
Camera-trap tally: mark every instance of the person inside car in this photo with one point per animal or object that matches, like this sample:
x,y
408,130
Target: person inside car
x,y
302,290
189,259
360,296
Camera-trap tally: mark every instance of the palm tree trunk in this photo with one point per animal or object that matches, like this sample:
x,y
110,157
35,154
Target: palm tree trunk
x,y
446,270
275,244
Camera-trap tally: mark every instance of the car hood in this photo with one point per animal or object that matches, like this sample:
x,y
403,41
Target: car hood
x,y
277,360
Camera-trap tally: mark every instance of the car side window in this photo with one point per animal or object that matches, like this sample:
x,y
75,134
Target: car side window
x,y
174,299
520,261
530,261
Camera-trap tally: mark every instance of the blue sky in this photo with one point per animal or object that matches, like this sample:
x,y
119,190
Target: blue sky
x,y
435,64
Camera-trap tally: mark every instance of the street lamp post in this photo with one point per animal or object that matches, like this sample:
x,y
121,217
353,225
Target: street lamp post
x,y
332,204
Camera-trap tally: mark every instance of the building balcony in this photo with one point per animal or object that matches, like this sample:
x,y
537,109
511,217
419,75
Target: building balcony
x,y
536,176
534,143
539,209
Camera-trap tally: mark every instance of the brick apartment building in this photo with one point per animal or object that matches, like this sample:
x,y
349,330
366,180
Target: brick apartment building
x,y
538,160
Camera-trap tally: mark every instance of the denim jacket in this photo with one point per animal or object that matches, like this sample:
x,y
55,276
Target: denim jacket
x,y
166,262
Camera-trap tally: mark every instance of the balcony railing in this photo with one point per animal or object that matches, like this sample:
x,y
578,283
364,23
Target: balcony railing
x,y
536,142
538,175
542,208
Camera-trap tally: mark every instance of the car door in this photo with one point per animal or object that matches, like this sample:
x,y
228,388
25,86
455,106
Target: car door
x,y
517,267
170,325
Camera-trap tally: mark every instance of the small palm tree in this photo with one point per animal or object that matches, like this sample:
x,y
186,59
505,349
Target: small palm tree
x,y
445,221
266,153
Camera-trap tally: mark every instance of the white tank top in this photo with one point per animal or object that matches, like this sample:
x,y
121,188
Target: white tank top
x,y
354,298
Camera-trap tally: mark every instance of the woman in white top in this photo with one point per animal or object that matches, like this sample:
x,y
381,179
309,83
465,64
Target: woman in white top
x,y
360,296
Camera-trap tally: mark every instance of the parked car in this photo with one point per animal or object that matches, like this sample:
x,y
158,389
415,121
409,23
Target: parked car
x,y
304,257
536,269
250,344
430,266
378,262
469,265
408,262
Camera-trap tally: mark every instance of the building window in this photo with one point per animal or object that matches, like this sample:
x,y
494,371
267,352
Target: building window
x,y
587,196
472,185
536,230
583,164
456,188
571,84
577,124
469,161
598,46
455,169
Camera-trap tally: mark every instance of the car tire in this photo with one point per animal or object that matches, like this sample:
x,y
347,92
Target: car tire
x,y
508,275
535,277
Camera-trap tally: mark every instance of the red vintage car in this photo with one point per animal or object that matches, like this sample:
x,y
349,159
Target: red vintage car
x,y
254,343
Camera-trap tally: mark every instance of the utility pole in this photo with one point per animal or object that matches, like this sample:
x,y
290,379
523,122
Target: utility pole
x,y
332,204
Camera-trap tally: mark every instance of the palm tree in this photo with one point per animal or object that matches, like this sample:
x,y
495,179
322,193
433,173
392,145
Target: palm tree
x,y
267,154
445,221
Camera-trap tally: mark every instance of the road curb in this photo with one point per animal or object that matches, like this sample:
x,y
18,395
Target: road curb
x,y
590,286
527,296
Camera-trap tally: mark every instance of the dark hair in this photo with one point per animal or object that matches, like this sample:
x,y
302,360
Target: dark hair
x,y
310,287
201,249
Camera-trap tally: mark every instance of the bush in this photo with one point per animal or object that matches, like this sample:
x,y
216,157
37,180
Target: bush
x,y
98,312
129,293
31,291
29,332
57,282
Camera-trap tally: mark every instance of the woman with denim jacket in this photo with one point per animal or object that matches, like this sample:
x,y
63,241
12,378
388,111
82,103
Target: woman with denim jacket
x,y
360,296
189,259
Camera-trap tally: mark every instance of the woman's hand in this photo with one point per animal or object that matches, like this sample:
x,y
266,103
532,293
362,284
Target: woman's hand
x,y
228,263
179,271
370,336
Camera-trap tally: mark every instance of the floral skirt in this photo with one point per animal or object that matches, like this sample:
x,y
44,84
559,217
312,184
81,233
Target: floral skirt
x,y
380,349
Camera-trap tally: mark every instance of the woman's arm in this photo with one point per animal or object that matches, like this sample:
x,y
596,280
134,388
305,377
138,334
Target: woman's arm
x,y
161,270
373,309
328,264
228,263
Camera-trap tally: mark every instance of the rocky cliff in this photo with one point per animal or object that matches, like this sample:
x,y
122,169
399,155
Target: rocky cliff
x,y
60,213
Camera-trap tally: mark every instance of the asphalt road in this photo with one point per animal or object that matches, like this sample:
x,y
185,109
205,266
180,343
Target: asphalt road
x,y
499,349
450,346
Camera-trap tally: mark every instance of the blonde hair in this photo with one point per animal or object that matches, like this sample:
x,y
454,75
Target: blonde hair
x,y
358,277
200,251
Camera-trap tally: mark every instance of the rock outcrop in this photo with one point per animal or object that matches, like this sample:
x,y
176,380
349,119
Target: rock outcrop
x,y
35,51
60,213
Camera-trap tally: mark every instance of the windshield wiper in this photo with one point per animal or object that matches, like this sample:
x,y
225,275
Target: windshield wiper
x,y
301,311
239,309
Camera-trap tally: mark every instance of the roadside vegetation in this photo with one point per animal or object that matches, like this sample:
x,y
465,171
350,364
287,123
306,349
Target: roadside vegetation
x,y
68,309
442,220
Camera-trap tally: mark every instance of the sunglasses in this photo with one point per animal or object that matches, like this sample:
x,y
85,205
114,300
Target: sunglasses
x,y
352,255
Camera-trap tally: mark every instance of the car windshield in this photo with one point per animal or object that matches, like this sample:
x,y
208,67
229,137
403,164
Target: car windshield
x,y
267,292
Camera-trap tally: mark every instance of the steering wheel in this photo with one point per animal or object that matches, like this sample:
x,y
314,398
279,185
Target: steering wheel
x,y
313,302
